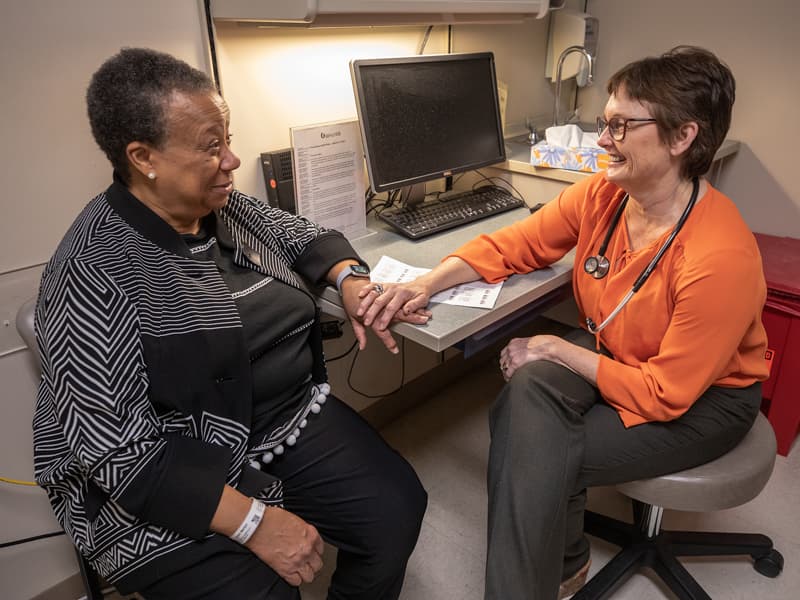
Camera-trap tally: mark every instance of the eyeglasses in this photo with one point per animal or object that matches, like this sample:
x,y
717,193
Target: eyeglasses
x,y
618,127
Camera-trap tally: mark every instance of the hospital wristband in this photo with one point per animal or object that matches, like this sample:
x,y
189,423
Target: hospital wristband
x,y
250,523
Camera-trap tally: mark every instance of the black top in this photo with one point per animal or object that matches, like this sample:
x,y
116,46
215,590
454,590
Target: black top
x,y
276,321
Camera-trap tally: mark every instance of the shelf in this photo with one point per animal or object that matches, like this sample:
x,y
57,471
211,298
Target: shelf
x,y
518,161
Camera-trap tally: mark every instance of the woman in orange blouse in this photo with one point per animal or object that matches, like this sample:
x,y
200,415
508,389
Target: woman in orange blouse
x,y
665,372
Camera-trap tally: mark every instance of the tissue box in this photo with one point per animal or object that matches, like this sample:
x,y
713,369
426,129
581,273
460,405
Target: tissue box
x,y
589,160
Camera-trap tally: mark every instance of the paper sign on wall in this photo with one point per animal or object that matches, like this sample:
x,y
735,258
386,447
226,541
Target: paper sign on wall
x,y
329,176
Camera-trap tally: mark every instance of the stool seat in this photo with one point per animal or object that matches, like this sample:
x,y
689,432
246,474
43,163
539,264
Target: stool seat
x,y
731,480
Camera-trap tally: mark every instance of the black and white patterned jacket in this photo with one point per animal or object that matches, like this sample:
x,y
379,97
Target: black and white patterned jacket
x,y
144,407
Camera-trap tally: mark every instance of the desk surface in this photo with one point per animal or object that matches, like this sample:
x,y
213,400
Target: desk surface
x,y
453,324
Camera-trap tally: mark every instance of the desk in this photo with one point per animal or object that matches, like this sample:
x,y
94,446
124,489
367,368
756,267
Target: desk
x,y
521,298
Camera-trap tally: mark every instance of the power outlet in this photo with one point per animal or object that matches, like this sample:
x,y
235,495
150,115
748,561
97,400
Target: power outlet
x,y
331,330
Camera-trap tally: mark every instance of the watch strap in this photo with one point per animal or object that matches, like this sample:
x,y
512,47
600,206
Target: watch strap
x,y
344,274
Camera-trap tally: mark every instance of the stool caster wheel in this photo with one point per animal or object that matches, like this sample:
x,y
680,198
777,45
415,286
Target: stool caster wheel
x,y
769,565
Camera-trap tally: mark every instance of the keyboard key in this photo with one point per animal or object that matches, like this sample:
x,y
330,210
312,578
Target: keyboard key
x,y
434,216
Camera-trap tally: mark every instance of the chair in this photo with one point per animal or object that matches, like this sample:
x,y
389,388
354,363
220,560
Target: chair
x,y
731,480
24,322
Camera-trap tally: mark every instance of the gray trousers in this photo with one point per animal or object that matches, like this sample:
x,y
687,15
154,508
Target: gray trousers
x,y
552,436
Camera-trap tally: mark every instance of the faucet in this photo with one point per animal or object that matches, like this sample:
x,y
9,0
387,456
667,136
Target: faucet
x,y
567,51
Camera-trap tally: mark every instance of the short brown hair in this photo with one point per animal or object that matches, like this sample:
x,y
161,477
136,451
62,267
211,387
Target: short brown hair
x,y
685,84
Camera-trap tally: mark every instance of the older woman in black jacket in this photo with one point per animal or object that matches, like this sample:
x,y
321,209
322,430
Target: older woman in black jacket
x,y
184,430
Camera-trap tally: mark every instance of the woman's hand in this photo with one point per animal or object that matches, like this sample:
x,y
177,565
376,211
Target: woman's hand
x,y
359,296
524,350
292,547
405,302
284,541
408,301
520,351
378,305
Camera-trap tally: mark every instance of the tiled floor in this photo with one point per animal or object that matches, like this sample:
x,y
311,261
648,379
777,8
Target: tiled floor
x,y
446,439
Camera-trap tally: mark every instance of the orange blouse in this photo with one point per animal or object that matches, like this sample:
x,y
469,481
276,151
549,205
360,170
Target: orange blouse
x,y
696,321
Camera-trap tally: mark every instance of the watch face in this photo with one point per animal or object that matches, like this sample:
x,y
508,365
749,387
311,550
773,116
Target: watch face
x,y
359,270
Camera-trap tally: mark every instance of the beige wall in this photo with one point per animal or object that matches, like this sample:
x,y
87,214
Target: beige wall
x,y
759,41
51,169
48,51
274,79
49,48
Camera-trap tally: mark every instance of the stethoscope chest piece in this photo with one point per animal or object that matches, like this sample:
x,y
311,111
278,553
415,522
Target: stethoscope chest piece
x,y
597,266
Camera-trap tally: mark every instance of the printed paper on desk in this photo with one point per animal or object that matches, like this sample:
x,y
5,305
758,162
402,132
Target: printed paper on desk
x,y
477,294
329,176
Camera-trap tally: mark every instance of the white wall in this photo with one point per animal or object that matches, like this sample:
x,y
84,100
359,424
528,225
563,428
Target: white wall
x,y
50,169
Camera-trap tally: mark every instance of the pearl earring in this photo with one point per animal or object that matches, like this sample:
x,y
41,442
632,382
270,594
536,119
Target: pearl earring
x,y
151,175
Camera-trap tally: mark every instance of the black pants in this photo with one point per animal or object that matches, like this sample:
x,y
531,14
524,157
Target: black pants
x,y
552,436
361,495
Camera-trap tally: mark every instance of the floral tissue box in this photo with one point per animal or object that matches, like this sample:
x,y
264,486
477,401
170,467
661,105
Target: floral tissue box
x,y
590,160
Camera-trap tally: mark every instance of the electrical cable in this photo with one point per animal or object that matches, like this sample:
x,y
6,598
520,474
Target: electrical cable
x,y
35,537
491,180
577,89
402,373
212,48
425,38
348,351
31,539
18,481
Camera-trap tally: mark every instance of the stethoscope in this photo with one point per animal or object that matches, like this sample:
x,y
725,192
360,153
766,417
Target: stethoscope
x,y
598,266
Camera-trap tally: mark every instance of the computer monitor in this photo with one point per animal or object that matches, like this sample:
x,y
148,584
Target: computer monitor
x,y
427,117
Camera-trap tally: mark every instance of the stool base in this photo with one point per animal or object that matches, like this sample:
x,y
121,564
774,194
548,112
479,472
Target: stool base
x,y
659,552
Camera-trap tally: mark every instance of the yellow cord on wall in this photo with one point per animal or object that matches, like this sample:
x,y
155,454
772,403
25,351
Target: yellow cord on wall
x,y
17,481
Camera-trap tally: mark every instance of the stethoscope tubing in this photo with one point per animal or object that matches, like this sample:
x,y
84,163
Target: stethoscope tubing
x,y
592,263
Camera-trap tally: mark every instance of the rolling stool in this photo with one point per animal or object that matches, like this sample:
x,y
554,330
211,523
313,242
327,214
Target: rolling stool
x,y
24,322
730,480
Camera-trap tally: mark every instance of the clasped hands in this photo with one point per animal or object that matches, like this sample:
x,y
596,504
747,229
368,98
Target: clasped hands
x,y
376,305
408,301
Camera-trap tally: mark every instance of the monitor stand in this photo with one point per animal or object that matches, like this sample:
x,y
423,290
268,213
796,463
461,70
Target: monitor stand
x,y
413,194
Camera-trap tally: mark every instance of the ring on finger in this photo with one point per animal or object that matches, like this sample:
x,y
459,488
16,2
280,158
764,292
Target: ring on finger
x,y
377,288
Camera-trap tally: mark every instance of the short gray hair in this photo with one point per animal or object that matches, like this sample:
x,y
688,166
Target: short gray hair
x,y
128,96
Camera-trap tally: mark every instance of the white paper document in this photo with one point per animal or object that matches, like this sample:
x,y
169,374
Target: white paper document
x,y
329,175
477,294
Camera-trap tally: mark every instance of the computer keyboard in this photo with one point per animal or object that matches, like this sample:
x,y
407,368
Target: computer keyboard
x,y
433,216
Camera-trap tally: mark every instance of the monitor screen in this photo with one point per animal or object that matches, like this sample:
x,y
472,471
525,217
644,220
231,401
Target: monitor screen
x,y
427,117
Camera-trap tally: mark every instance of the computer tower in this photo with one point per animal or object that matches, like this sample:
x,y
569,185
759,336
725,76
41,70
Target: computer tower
x,y
278,177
